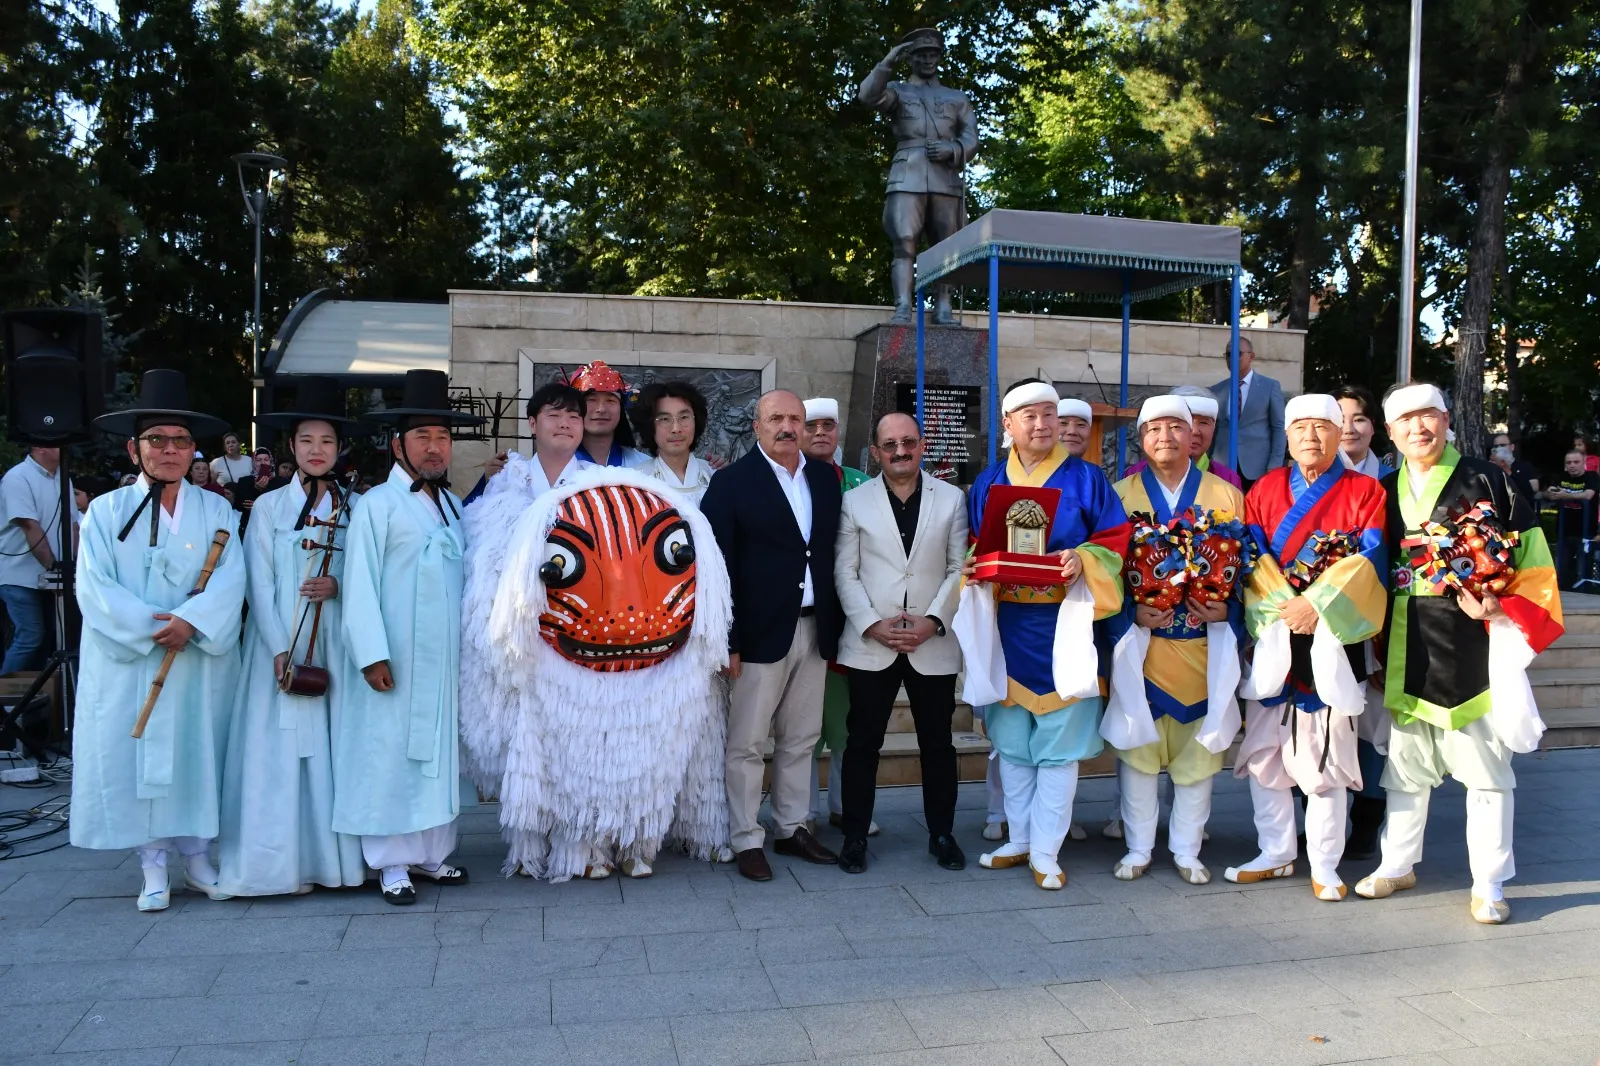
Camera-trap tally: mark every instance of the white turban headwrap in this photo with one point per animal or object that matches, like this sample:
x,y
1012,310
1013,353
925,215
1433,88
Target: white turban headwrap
x,y
1074,408
1313,405
1402,402
822,407
1201,406
1165,407
1029,393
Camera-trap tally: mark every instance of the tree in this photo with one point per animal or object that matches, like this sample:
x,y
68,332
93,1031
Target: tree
x,y
704,149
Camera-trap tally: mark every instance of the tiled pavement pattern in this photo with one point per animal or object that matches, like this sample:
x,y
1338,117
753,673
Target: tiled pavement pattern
x,y
903,966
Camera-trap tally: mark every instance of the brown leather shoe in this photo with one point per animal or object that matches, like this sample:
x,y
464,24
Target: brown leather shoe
x,y
805,846
752,864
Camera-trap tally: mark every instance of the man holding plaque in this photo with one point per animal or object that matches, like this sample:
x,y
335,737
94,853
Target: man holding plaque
x,y
1175,668
1456,658
1039,677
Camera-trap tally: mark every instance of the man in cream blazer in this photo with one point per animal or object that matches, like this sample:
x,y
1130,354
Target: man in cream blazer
x,y
897,568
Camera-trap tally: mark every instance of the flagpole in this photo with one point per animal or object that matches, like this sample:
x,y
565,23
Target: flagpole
x,y
1408,237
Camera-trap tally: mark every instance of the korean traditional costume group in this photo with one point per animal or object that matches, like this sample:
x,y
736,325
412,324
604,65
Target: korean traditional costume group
x,y
1178,713
1323,541
1456,686
1040,734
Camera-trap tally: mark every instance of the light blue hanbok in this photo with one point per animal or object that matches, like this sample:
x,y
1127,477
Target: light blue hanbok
x,y
128,793
395,758
277,784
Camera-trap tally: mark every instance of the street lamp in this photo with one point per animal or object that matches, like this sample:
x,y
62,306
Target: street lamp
x,y
255,205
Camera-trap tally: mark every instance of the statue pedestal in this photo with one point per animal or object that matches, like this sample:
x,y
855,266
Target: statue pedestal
x,y
955,410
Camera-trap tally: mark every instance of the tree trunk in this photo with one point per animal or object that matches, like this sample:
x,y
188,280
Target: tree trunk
x,y
1483,263
1512,356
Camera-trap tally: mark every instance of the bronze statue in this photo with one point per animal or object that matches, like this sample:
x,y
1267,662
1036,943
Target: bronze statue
x,y
935,137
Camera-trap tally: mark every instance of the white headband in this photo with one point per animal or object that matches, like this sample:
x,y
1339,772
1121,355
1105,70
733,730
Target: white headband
x,y
1402,402
1201,406
1074,408
822,407
1165,407
1312,405
1023,395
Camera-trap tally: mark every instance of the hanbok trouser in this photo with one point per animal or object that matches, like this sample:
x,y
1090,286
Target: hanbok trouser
x,y
427,847
155,852
1191,768
1039,756
1420,756
1285,748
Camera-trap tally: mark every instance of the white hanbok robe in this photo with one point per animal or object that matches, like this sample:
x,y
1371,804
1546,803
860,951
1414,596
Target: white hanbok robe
x,y
127,793
395,759
696,479
277,783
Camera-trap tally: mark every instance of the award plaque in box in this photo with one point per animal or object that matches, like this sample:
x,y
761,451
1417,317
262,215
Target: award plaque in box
x,y
1013,538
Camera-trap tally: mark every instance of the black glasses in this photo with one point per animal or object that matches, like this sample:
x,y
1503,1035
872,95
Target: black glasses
x,y
160,441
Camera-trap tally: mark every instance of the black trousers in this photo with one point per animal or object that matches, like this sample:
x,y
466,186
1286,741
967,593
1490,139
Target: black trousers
x,y
933,704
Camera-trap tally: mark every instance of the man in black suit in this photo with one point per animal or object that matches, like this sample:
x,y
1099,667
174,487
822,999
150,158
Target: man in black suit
x,y
775,517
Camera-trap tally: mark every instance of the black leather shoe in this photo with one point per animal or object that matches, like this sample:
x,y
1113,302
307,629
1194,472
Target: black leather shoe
x,y
805,846
752,865
945,849
853,856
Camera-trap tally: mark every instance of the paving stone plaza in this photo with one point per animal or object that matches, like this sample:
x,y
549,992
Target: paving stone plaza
x,y
905,965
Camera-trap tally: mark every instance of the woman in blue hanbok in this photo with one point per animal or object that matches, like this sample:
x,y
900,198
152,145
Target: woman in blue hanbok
x,y
277,785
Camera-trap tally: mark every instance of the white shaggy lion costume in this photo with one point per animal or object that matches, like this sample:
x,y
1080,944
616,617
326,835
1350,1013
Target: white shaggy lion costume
x,y
625,751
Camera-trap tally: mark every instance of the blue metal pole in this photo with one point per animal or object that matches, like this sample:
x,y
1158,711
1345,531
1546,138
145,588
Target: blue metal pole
x,y
922,354
994,354
1233,376
1122,395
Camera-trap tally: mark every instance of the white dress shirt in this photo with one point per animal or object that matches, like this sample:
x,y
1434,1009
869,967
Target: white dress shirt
x,y
798,494
1244,390
29,491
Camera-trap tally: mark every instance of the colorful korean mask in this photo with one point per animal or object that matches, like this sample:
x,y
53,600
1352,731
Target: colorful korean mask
x,y
1154,571
619,577
1218,563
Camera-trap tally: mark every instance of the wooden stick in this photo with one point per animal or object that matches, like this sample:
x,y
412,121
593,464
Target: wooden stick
x,y
218,542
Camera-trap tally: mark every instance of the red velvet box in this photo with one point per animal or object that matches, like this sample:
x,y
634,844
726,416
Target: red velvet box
x,y
994,562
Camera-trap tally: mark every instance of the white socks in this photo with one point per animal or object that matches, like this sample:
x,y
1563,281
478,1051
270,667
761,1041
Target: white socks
x,y
1141,808
1275,835
1326,819
1054,789
1018,782
393,875
1191,806
1489,816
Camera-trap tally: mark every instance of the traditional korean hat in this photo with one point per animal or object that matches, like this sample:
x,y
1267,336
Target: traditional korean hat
x,y
924,37
598,376
163,401
318,399
424,401
1070,407
820,407
1312,405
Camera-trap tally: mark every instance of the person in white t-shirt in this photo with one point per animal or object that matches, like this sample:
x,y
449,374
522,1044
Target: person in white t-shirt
x,y
30,508
232,465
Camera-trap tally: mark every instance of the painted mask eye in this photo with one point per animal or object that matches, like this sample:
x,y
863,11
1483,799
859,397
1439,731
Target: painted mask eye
x,y
1135,578
1229,573
675,549
1205,565
563,565
1462,565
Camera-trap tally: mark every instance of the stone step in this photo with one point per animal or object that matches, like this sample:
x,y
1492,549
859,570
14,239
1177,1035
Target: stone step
x,y
1581,612
900,720
1571,650
1577,688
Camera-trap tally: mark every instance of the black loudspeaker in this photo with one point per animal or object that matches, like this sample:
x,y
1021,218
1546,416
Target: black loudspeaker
x,y
54,385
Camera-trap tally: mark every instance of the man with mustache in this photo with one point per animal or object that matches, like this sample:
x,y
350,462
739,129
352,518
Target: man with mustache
x,y
902,541
395,761
775,515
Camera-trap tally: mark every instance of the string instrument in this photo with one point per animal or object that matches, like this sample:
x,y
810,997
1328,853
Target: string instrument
x,y
305,679
218,542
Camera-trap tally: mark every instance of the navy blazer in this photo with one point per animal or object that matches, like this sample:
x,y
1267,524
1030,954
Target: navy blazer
x,y
767,557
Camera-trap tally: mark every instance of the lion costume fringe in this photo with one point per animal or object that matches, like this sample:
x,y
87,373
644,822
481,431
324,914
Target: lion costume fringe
x,y
625,760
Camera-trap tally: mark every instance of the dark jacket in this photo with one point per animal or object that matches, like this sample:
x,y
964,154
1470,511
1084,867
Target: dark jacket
x,y
766,556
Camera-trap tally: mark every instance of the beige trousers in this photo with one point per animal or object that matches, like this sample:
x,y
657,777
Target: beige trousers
x,y
784,697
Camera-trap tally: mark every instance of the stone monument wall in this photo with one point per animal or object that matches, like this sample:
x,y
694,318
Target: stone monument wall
x,y
502,342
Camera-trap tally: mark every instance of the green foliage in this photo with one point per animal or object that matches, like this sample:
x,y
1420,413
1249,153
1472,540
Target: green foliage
x,y
705,149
